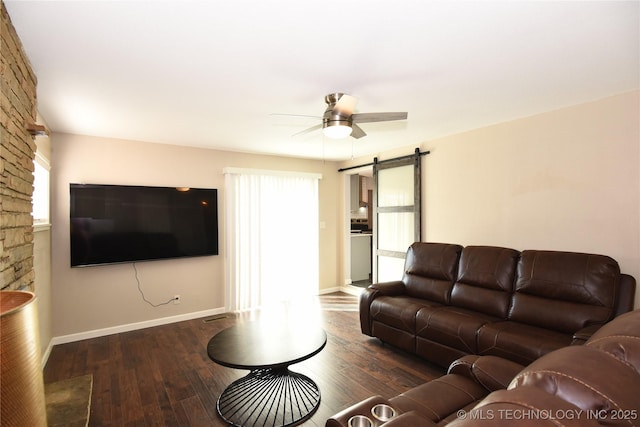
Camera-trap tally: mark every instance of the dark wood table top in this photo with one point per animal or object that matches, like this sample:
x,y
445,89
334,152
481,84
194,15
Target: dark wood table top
x,y
259,345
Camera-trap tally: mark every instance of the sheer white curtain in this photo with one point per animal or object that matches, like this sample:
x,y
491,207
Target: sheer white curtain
x,y
271,244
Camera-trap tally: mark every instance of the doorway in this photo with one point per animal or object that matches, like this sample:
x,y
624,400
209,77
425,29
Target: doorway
x,y
360,227
383,218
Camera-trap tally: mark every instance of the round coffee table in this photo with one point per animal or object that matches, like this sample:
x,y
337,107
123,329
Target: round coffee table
x,y
270,394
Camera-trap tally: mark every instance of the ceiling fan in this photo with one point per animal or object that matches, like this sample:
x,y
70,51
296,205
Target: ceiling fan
x,y
339,120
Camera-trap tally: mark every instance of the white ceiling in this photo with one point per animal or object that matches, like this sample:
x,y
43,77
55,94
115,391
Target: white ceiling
x,y
210,73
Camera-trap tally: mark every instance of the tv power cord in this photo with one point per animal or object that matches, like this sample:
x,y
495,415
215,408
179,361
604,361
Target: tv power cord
x,y
135,269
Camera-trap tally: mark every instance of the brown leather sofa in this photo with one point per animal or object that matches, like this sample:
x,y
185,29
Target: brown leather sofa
x,y
485,300
597,383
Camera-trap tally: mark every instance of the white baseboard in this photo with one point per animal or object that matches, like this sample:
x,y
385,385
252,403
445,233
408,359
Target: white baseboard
x,y
130,327
64,339
46,353
330,290
352,290
348,289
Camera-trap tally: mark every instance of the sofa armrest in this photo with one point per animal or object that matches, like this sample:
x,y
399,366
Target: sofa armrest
x,y
341,419
491,372
581,336
410,419
366,297
626,295
393,288
369,294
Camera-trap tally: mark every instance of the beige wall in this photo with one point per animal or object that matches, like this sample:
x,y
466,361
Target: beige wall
x,y
87,299
564,180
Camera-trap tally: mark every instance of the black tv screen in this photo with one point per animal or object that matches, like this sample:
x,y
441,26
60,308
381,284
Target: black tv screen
x,y
126,223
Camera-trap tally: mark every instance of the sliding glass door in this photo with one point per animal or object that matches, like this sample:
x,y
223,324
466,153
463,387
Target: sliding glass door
x,y
271,239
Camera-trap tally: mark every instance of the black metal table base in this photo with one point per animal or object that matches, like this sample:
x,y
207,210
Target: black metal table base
x,y
269,397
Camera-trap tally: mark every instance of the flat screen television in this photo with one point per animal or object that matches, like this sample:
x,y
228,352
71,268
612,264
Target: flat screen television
x,y
126,223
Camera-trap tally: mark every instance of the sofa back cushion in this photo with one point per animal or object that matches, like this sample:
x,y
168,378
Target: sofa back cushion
x,y
486,277
525,407
430,270
588,378
564,291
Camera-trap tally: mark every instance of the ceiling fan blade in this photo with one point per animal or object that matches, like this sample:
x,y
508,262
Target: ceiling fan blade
x,y
346,105
378,117
294,115
308,130
356,131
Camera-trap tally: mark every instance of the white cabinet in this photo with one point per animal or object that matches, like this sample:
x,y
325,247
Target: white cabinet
x,y
360,257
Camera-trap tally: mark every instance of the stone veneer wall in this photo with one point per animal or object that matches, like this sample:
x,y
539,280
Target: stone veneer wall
x,y
17,152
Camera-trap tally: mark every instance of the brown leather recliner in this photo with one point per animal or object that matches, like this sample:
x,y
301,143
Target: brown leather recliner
x,y
467,381
594,384
388,310
453,301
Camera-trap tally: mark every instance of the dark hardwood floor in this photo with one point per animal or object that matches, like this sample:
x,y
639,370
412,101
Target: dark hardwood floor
x,y
162,376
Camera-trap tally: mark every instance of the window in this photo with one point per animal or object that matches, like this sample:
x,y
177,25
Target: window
x,y
40,208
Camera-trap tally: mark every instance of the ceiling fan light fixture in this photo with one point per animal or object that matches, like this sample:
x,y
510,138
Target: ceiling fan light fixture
x,y
337,129
339,120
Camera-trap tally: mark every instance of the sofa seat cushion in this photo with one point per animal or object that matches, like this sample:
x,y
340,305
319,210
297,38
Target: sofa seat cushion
x,y
398,312
519,342
439,398
393,319
452,326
